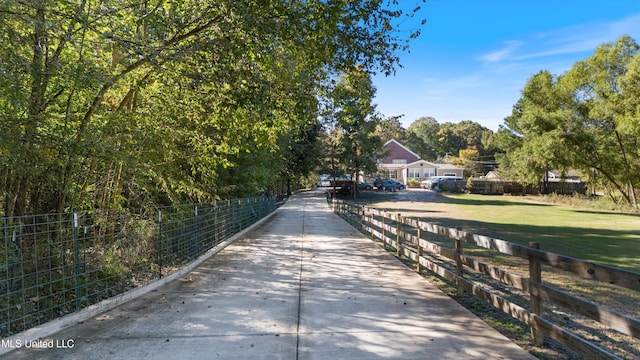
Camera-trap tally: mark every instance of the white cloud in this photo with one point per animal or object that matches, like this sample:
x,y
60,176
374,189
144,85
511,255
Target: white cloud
x,y
629,25
582,38
504,53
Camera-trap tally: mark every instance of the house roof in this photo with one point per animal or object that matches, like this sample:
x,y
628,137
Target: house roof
x,y
447,166
393,150
569,174
422,162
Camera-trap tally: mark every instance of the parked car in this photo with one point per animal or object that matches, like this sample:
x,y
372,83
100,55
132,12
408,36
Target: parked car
x,y
432,182
429,183
346,188
388,185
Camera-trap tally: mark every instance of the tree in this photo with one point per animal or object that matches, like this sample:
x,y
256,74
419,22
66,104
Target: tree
x,y
423,137
299,151
539,119
630,87
391,128
600,97
113,103
453,137
356,123
469,159
582,119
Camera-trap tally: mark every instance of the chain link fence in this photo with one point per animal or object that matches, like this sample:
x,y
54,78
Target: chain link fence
x,y
55,264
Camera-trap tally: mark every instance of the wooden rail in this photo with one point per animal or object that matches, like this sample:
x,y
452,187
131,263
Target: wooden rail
x,y
408,237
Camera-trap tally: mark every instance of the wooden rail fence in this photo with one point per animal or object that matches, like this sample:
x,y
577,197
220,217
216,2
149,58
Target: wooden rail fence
x,y
408,237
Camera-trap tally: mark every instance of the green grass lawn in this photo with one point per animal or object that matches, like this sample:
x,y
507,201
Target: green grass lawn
x,y
599,236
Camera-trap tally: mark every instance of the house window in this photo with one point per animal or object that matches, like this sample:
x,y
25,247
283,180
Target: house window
x,y
414,173
429,172
399,161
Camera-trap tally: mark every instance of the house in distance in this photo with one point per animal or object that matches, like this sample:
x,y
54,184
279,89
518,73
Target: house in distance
x,y
399,163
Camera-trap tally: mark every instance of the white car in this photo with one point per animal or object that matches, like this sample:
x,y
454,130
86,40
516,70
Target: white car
x,y
426,184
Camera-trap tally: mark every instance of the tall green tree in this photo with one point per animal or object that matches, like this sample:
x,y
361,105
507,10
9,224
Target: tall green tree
x,y
540,119
629,122
600,131
391,128
583,120
423,137
300,150
356,122
453,137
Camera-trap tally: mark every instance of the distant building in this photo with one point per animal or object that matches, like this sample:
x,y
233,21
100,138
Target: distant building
x,y
557,175
401,164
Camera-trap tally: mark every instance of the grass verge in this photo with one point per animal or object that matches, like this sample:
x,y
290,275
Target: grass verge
x,y
611,238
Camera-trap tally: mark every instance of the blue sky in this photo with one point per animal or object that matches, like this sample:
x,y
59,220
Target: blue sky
x,y
473,57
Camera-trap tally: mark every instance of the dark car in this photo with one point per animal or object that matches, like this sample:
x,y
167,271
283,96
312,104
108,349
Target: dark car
x,y
344,189
387,184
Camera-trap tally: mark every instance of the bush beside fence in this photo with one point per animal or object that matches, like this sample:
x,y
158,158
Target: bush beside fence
x,y
412,239
55,264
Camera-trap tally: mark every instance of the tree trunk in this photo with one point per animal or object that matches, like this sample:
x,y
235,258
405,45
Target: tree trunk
x,y
631,192
17,203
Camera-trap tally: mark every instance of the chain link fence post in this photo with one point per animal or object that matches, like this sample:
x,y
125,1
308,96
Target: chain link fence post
x,y
160,244
76,257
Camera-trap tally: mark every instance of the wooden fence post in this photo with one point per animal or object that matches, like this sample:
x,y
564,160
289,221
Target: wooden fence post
x,y
384,234
398,240
459,269
420,249
535,304
371,218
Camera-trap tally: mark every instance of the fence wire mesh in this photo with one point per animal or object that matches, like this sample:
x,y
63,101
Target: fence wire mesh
x,y
55,264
